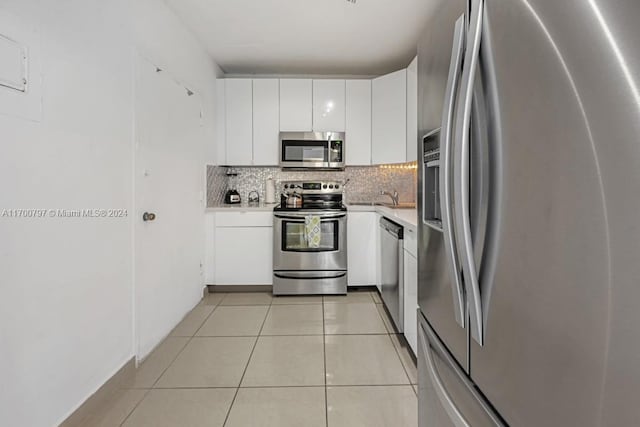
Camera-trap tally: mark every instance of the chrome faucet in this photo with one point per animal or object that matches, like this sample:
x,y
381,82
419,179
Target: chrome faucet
x,y
394,197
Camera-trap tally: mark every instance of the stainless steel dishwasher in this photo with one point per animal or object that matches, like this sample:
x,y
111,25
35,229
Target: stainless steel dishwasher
x,y
392,269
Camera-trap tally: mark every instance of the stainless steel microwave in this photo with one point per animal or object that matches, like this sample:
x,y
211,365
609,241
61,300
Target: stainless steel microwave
x,y
312,150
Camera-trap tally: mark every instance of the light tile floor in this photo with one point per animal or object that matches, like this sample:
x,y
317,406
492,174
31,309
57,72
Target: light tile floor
x,y
251,359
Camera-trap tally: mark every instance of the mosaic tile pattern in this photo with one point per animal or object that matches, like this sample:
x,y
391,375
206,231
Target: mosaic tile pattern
x,y
365,182
217,182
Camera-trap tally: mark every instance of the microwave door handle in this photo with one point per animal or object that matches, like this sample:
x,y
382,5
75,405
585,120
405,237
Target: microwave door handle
x,y
461,182
446,142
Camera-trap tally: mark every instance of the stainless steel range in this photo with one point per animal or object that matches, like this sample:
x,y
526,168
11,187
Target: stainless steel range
x,y
310,239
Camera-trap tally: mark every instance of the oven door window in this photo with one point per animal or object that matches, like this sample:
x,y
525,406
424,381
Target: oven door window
x,y
294,238
304,151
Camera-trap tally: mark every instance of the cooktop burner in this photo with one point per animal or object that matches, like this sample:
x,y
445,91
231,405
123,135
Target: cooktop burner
x,y
316,196
312,207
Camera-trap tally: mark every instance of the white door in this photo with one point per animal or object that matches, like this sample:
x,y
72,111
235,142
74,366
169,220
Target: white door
x,y
169,182
328,105
358,122
239,121
296,105
389,118
266,116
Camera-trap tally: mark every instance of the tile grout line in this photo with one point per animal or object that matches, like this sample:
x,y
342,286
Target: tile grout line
x,y
324,353
170,363
274,386
135,406
406,373
287,335
233,401
401,362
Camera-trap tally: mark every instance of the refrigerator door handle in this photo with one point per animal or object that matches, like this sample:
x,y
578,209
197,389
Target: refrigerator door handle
x,y
461,184
446,172
447,401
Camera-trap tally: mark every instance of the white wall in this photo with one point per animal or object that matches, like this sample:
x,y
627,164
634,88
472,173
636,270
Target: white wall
x,y
66,287
163,39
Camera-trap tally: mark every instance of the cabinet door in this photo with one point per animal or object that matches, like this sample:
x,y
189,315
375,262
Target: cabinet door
x,y
328,105
411,300
239,121
244,256
210,248
361,248
389,118
358,122
221,137
266,116
378,254
412,111
296,105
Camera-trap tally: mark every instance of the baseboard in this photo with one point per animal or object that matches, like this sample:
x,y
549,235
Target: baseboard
x,y
267,288
359,288
80,416
239,288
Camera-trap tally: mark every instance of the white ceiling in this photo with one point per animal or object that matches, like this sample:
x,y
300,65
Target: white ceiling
x,y
336,37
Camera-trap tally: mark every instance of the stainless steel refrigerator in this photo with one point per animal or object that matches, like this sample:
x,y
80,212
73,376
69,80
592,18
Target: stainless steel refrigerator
x,y
529,200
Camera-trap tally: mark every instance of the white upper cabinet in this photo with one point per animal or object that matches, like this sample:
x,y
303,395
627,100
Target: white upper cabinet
x,y
239,122
389,118
358,122
328,105
296,106
412,111
266,113
221,137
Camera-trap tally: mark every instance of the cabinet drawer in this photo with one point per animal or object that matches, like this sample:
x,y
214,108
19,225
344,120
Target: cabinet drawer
x,y
244,219
411,241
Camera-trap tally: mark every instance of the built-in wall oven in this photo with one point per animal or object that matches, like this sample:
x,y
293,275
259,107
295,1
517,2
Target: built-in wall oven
x,y
312,150
303,267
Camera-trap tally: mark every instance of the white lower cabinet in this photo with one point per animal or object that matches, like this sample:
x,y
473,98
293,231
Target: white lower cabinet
x,y
411,300
243,248
210,248
361,248
378,250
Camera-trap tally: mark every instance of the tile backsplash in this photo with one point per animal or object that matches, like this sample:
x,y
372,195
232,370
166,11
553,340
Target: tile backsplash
x,y
365,182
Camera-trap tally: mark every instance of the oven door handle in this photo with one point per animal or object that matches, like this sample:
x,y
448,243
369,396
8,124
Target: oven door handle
x,y
302,215
309,275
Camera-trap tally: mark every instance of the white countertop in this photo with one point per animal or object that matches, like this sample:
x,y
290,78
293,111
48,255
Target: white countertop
x,y
405,217
242,207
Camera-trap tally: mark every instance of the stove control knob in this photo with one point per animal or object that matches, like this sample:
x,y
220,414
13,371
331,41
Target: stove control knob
x,y
286,186
337,186
331,186
324,186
